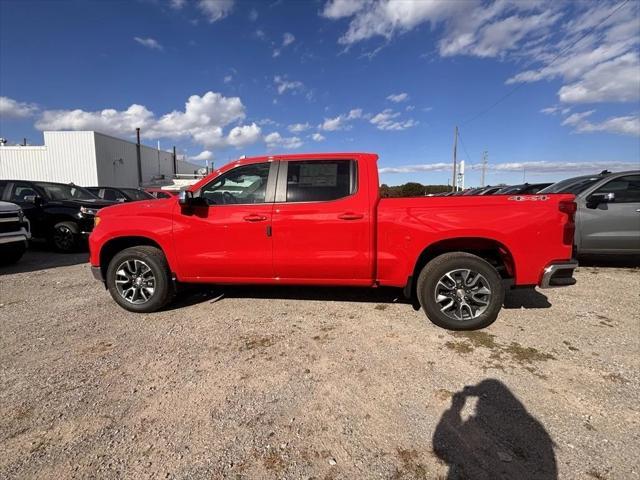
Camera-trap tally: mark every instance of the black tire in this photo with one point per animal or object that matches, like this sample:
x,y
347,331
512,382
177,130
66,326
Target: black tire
x,y
437,268
64,236
154,259
10,253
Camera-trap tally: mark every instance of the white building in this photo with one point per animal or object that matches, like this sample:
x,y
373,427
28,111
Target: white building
x,y
91,158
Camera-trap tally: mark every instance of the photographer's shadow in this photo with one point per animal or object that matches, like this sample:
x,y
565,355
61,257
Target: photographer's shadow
x,y
500,440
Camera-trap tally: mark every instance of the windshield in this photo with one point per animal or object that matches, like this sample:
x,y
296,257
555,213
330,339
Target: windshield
x,y
571,185
135,194
59,191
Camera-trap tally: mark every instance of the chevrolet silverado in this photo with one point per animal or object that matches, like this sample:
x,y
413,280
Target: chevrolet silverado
x,y
318,219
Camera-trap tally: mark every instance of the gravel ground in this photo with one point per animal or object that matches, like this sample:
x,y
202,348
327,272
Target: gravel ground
x,y
314,383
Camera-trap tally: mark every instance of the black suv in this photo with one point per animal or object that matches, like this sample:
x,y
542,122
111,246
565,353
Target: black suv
x,y
120,194
60,213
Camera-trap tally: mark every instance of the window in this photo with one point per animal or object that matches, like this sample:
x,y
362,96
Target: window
x,y
60,191
320,180
112,195
626,189
21,191
135,194
240,185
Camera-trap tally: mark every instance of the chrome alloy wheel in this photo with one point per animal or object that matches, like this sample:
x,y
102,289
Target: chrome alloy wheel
x,y
135,281
462,294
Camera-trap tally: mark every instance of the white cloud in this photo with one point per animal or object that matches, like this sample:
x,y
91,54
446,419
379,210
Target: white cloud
x,y
202,156
335,9
398,97
149,43
274,140
616,80
288,39
299,127
10,108
177,4
228,78
253,15
387,120
215,10
341,122
530,167
203,120
283,85
625,125
318,137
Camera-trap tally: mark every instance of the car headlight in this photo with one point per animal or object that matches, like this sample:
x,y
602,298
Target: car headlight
x,y
96,221
88,211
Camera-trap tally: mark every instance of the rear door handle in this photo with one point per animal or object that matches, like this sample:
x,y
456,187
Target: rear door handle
x,y
254,218
351,216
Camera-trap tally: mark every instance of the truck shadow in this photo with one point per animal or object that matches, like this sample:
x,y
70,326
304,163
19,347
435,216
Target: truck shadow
x,y
195,294
612,261
499,439
40,257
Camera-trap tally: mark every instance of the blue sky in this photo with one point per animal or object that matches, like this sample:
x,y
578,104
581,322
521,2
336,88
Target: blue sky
x,y
221,78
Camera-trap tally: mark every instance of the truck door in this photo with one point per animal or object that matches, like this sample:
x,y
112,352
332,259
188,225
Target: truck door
x,y
321,223
228,236
612,227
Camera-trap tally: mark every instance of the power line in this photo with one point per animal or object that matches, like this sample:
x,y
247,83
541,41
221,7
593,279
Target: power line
x,y
464,148
562,52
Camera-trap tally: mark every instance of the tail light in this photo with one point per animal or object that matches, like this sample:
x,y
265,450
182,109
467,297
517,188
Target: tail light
x,y
569,207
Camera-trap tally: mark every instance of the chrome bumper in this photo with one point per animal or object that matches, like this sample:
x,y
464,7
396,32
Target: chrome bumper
x,y
559,275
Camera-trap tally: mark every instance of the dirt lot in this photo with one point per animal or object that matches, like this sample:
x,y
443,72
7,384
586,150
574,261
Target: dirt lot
x,y
313,383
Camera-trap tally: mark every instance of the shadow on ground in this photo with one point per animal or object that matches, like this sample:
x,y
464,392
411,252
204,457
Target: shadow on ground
x,y
500,439
41,257
195,294
615,261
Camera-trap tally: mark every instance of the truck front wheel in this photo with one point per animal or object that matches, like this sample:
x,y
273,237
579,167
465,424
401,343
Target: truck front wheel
x,y
139,279
460,291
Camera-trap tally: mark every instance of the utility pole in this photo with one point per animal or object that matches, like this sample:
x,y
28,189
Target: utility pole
x,y
138,156
455,159
484,167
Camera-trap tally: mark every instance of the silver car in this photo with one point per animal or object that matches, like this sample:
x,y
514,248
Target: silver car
x,y
608,216
14,233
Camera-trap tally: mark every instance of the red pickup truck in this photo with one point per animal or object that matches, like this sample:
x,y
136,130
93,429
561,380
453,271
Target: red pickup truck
x,y
318,219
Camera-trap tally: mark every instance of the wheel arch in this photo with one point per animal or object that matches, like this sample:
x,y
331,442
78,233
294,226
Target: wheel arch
x,y
491,250
117,244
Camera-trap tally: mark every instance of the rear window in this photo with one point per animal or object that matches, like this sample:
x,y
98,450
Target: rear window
x,y
320,180
572,185
135,194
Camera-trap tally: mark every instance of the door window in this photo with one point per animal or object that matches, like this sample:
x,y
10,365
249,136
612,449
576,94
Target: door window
x,y
241,185
320,180
626,189
21,191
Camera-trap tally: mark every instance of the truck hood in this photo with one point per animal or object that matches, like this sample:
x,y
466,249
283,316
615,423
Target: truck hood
x,y
77,203
8,207
141,207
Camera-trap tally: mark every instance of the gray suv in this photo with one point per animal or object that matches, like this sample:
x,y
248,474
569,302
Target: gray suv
x,y
14,233
608,216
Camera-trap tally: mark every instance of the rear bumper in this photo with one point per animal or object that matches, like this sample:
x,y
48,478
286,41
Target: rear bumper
x,y
559,274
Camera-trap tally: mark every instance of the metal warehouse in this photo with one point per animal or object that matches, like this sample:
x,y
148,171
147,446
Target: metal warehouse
x,y
92,158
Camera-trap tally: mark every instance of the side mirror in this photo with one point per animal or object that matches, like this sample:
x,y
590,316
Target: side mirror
x,y
597,198
185,198
35,199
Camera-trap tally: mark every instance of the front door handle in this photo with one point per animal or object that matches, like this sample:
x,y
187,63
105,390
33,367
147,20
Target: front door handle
x,y
351,216
254,218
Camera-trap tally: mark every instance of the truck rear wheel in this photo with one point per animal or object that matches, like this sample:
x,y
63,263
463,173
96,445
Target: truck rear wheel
x,y
139,279
460,291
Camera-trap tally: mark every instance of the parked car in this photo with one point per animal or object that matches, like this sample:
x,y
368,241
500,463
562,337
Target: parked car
x,y
317,219
608,216
14,233
523,189
60,213
161,193
120,194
